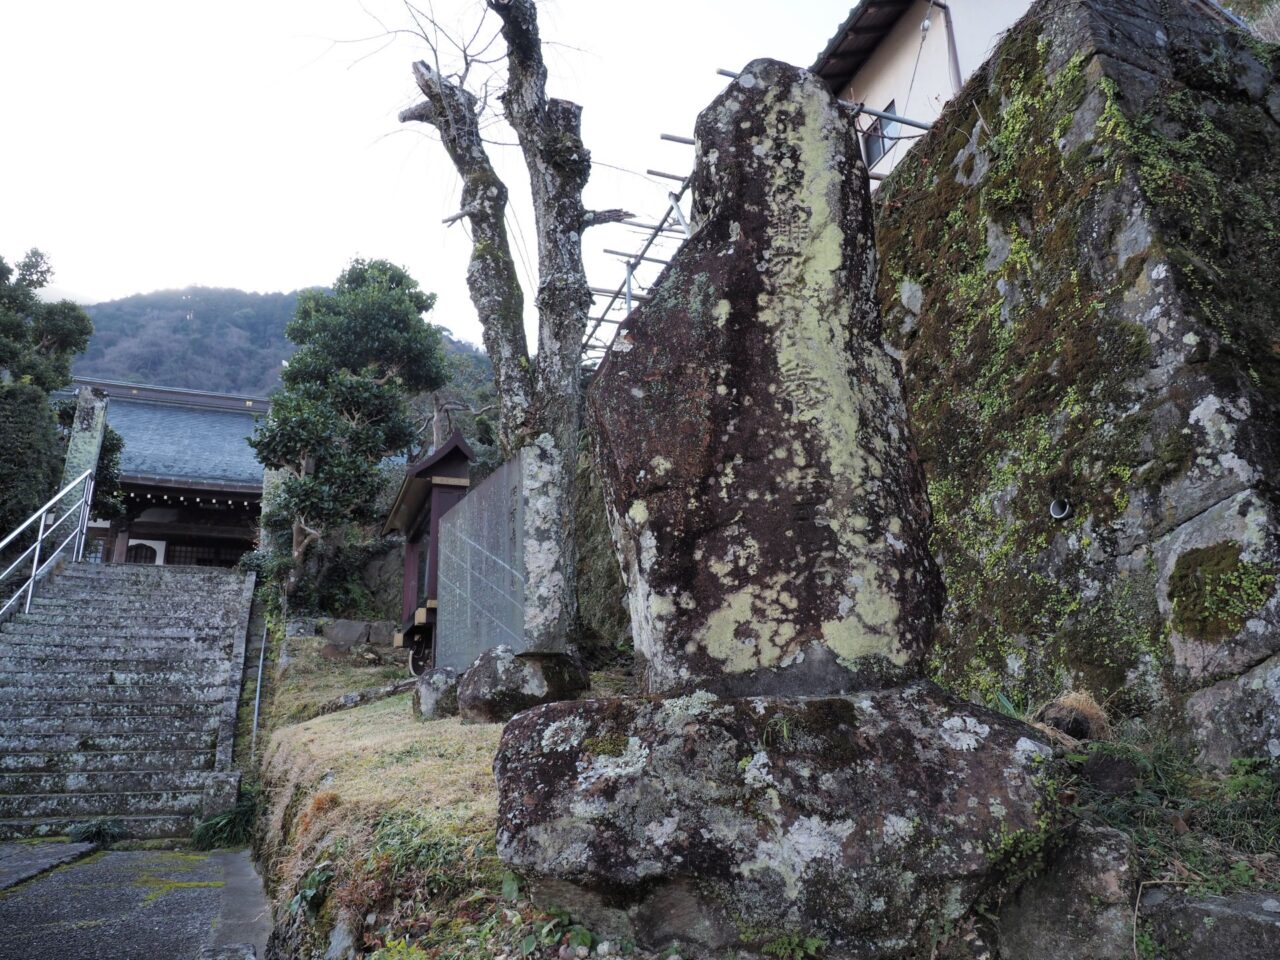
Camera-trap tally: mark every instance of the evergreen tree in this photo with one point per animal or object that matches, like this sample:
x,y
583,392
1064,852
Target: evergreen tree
x,y
37,342
342,410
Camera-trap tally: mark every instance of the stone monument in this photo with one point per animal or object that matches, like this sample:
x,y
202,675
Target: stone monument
x,y
791,780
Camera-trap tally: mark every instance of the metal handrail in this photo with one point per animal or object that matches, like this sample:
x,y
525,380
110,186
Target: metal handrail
x,y
77,535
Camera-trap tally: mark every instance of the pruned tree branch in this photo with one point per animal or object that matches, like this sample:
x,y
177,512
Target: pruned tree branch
x,y
593,218
491,275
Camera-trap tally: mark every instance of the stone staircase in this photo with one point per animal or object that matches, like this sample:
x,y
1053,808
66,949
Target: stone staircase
x,y
118,695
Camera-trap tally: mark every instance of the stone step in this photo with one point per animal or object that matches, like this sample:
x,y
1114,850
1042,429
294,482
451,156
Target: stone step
x,y
152,826
111,576
124,592
22,645
206,721
80,742
86,760
112,690
103,781
75,654
139,624
85,664
90,632
89,610
170,685
99,804
23,709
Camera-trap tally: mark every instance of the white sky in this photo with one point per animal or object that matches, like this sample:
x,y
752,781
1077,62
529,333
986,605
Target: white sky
x,y
154,144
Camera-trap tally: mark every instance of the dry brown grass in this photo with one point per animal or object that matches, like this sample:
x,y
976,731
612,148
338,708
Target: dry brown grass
x,y
1267,24
338,774
1073,716
308,681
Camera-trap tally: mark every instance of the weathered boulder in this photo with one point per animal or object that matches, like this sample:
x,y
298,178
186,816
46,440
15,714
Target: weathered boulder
x,y
702,823
345,634
436,694
500,684
757,467
301,627
1243,926
382,633
1080,907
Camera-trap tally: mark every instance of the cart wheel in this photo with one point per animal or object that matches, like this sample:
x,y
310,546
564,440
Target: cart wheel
x,y
419,658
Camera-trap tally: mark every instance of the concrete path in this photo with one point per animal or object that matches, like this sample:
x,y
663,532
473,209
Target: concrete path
x,y
141,905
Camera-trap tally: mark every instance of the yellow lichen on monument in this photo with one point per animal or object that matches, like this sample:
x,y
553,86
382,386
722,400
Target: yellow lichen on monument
x,y
751,628
826,400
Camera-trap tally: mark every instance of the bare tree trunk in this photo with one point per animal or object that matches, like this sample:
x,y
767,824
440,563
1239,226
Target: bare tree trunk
x,y
539,402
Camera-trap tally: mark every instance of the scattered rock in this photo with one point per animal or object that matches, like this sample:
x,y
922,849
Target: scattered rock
x,y
358,698
1111,774
1243,926
755,457
301,627
342,942
435,695
345,634
382,633
500,684
861,820
1080,907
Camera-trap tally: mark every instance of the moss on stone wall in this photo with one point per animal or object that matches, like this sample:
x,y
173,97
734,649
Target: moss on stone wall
x,y
1018,376
1213,590
1024,249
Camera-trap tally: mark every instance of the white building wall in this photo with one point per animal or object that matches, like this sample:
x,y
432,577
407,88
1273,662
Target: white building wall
x,y
979,26
976,26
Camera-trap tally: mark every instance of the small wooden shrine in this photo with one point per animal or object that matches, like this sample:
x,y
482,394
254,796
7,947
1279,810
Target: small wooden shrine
x,y
431,486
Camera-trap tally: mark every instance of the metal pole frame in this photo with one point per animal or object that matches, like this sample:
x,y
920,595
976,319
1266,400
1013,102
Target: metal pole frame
x,y
35,566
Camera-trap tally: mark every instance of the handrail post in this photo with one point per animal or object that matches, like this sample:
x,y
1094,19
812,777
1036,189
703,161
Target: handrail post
x,y
78,554
35,565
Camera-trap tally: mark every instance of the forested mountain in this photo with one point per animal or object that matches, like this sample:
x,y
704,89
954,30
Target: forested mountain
x,y
202,338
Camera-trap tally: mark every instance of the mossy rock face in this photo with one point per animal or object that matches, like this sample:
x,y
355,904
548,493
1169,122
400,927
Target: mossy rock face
x,y
1213,590
1077,266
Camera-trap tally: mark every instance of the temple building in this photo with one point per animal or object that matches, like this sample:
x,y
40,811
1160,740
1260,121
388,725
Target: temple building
x,y
192,484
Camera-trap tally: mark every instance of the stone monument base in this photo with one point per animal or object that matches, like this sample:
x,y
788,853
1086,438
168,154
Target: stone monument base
x,y
709,825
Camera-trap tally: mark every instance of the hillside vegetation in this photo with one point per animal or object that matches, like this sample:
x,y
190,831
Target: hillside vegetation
x,y
200,338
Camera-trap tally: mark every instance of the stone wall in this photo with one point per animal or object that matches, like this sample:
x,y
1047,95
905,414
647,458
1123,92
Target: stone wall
x,y
1078,269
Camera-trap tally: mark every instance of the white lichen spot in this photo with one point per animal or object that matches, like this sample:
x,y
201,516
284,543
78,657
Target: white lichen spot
x,y
898,829
563,734
660,832
631,762
964,732
1027,751
756,772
